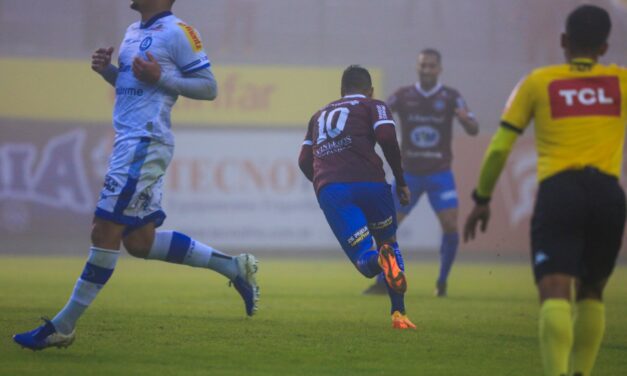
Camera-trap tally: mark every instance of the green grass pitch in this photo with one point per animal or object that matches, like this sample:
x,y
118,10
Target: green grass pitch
x,y
158,319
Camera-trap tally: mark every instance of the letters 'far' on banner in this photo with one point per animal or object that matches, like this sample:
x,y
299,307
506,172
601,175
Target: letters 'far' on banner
x,y
265,96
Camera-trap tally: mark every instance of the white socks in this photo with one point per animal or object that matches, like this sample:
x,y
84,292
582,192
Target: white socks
x,y
174,247
98,270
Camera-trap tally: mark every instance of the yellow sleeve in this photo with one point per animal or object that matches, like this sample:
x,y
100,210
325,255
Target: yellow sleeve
x,y
519,108
494,160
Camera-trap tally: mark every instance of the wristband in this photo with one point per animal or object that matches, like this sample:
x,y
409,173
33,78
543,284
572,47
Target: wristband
x,y
480,200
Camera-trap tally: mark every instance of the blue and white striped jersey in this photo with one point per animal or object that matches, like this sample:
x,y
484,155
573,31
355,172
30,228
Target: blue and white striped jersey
x,y
143,110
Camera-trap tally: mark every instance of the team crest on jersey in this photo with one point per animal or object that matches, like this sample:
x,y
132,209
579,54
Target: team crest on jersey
x,y
439,105
192,36
145,44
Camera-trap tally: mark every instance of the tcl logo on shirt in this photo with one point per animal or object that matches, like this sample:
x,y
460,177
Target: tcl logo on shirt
x,y
594,96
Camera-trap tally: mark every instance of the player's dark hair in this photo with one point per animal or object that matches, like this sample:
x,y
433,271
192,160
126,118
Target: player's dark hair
x,y
357,78
432,52
588,28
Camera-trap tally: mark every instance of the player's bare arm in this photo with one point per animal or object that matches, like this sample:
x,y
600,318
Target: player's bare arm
x,y
305,161
404,194
101,59
101,64
468,121
386,138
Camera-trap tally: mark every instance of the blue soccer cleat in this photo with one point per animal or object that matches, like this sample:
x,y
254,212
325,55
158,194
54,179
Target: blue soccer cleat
x,y
245,283
43,337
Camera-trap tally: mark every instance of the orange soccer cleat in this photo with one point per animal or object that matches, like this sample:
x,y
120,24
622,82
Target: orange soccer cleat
x,y
394,276
401,321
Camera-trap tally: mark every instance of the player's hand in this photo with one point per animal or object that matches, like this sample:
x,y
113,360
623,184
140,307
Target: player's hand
x,y
468,120
403,193
479,214
101,59
463,114
148,71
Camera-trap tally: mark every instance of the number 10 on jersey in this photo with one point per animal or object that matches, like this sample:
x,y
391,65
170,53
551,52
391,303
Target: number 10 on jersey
x,y
331,123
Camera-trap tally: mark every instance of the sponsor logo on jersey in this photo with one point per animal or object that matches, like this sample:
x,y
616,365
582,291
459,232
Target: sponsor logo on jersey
x,y
333,147
129,91
145,44
383,114
192,36
425,137
123,68
594,96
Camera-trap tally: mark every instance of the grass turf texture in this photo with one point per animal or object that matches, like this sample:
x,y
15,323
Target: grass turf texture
x,y
158,319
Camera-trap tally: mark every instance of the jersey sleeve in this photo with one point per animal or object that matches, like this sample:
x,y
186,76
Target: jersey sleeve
x,y
519,108
380,114
392,102
460,102
188,53
309,135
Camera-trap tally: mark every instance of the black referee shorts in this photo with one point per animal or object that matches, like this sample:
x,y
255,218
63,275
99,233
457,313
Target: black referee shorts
x,y
577,225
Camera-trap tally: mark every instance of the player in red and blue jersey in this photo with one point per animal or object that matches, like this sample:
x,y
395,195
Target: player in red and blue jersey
x,y
426,111
338,156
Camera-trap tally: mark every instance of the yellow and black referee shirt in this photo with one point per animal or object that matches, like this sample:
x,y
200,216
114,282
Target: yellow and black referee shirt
x,y
579,110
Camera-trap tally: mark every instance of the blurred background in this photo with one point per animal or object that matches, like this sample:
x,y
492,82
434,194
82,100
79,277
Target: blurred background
x,y
235,182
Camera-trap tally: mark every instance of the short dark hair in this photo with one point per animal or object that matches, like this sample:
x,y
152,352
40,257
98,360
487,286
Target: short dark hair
x,y
588,27
433,52
356,77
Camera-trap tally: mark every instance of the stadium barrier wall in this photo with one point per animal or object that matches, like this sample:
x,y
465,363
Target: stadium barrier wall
x,y
236,189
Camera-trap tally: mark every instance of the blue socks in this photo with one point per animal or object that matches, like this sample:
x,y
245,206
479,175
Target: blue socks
x,y
98,270
448,250
368,263
177,248
397,300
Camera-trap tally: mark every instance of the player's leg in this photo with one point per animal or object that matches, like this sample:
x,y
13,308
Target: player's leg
x,y
377,203
444,201
121,181
349,226
589,326
558,235
103,256
605,232
175,247
414,182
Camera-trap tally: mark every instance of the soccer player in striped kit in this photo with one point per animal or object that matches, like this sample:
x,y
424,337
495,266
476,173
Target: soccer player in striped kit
x,y
160,58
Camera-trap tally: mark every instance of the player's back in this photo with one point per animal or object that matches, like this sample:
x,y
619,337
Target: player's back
x,y
342,135
580,111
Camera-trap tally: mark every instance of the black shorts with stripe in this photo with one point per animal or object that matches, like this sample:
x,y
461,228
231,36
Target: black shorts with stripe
x,y
577,225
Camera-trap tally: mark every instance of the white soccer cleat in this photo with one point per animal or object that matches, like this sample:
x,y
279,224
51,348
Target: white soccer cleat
x,y
246,281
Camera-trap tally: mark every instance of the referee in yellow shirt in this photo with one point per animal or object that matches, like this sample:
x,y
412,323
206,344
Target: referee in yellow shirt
x,y
579,110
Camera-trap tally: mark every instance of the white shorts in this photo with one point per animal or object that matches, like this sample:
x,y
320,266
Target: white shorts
x,y
133,186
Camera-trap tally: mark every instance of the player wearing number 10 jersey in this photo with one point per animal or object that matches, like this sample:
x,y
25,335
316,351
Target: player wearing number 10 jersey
x,y
338,156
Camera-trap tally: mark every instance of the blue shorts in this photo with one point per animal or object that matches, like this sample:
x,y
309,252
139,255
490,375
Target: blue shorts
x,y
440,188
358,211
